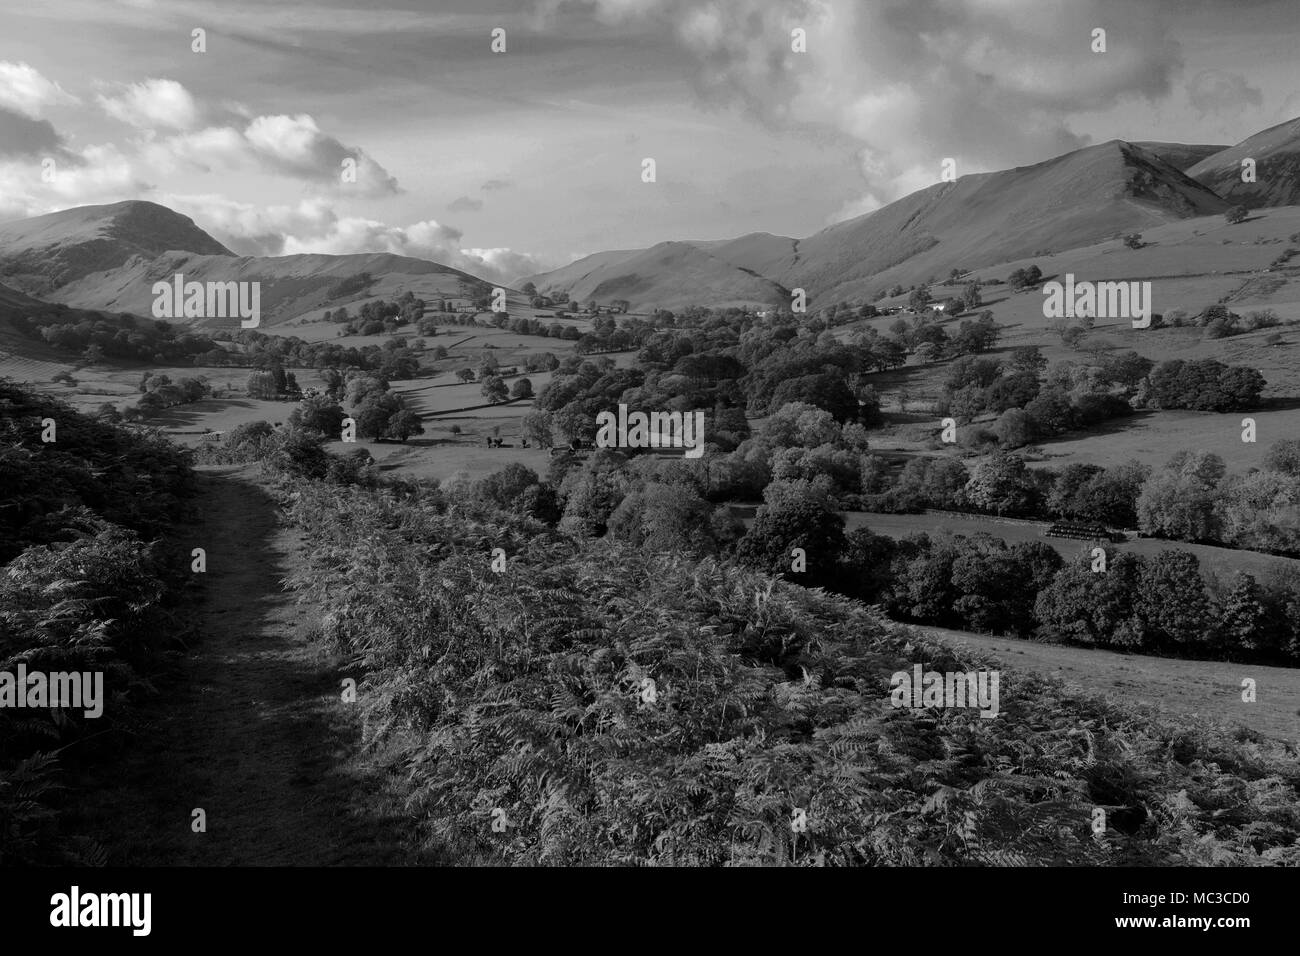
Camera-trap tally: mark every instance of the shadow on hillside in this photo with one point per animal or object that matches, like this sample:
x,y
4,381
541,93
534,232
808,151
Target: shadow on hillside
x,y
906,418
181,416
1113,426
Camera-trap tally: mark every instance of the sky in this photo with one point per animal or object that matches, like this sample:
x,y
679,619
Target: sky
x,y
393,125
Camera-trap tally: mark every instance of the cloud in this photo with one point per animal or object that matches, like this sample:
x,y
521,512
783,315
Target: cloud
x,y
24,90
492,185
464,204
312,226
1214,91
293,146
93,174
906,83
152,104
506,265
22,136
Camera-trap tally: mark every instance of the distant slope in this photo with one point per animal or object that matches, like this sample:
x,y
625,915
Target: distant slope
x,y
670,275
1069,201
18,347
41,254
1075,199
1276,152
291,286
568,276
1182,155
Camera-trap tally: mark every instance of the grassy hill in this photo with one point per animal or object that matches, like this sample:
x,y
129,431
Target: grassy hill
x,y
42,254
978,220
1276,152
292,287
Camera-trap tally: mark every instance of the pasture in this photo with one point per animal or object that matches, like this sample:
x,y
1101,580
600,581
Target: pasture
x,y
1204,691
1220,561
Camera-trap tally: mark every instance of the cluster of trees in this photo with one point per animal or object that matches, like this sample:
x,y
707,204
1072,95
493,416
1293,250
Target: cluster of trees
x,y
1192,498
1221,322
1204,385
1162,604
273,383
1025,278
377,316
158,391
123,336
1076,396
930,339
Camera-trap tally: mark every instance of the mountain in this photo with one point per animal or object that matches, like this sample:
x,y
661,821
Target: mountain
x,y
1276,152
42,254
668,275
109,257
290,286
982,219
1181,156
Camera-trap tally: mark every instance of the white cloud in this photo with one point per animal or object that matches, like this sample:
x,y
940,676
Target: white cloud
x,y
152,104
993,83
24,89
288,145
312,226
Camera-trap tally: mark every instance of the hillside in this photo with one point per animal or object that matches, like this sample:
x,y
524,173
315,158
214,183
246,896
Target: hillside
x,y
1182,156
1075,199
669,275
291,286
1276,152
42,254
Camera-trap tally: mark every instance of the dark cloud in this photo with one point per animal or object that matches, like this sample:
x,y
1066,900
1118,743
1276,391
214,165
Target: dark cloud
x,y
494,184
23,136
465,204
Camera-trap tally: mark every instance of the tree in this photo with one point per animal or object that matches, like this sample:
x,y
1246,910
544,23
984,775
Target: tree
x,y
1173,601
521,388
1134,241
372,422
919,299
1013,428
1028,358
1094,607
1179,502
528,289
1002,484
1024,278
797,521
465,374
970,297
977,336
1236,214
494,389
1051,412
403,424
1014,390
1284,456
662,517
319,413
1242,615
